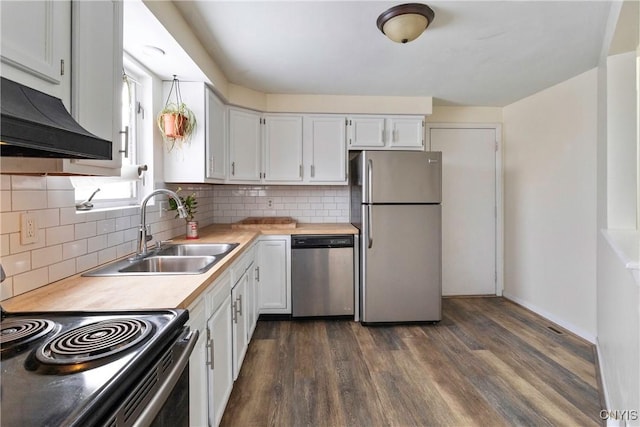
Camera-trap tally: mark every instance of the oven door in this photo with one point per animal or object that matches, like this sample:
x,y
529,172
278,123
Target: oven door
x,y
161,398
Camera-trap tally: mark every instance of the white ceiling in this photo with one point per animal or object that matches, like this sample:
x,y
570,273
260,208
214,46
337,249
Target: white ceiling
x,y
474,53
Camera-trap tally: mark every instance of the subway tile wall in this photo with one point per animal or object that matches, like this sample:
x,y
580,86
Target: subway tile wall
x,y
302,203
70,242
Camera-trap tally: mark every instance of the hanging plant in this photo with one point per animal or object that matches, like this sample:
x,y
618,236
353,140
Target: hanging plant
x,y
176,121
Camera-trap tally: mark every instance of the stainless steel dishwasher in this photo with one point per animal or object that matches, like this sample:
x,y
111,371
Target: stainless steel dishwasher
x,y
322,281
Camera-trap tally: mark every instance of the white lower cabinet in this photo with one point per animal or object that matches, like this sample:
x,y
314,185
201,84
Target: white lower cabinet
x,y
225,316
198,391
220,355
240,342
273,274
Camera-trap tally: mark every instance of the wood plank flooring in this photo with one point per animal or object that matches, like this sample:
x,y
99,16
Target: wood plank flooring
x,y
488,362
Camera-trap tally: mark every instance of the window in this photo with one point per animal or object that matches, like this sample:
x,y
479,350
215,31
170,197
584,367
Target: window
x,y
115,191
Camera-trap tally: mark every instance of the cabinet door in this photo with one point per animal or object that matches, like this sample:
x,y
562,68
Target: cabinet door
x,y
406,132
220,361
273,281
216,132
96,83
252,297
238,309
198,405
366,132
282,148
244,145
36,45
325,143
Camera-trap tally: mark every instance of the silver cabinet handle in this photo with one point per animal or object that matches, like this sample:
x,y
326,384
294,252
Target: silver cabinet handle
x,y
240,305
234,312
257,273
300,170
209,346
233,168
313,171
126,142
212,354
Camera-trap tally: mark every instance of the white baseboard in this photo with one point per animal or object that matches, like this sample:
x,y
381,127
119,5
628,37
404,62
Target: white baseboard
x,y
605,392
579,332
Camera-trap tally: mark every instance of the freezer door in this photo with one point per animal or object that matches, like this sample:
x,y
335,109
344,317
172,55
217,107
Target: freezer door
x,y
401,263
401,176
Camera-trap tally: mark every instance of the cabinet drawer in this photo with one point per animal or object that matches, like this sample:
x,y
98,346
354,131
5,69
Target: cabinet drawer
x,y
217,293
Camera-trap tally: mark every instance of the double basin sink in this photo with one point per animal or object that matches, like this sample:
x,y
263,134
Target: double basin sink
x,y
187,258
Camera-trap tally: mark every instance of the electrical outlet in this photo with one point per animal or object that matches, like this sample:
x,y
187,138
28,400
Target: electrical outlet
x,y
270,203
28,228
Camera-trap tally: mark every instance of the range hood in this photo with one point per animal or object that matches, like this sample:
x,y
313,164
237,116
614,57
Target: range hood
x,y
34,124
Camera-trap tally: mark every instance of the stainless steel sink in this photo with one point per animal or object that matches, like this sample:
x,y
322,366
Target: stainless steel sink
x,y
187,258
198,249
171,265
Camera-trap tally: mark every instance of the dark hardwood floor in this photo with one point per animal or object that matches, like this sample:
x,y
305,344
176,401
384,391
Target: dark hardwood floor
x,y
488,362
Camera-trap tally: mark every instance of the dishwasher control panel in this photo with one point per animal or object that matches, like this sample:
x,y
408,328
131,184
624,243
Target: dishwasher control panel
x,y
321,241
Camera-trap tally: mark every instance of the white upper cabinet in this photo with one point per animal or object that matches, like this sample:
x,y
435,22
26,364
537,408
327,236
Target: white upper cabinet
x,y
405,132
282,148
386,132
201,159
96,83
37,40
244,146
366,132
35,45
216,136
325,160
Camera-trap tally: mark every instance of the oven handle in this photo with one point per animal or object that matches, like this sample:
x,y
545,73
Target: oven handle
x,y
155,405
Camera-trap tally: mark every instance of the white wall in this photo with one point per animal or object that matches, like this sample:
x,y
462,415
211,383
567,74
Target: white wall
x,y
618,330
550,203
446,114
621,137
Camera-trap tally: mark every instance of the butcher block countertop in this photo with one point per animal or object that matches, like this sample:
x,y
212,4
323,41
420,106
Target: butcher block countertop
x,y
151,292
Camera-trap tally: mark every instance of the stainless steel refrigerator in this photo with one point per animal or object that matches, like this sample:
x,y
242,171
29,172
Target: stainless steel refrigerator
x,y
395,203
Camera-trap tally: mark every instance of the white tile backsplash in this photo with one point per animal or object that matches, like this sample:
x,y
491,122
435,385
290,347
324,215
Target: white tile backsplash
x,y
30,280
304,203
28,199
26,182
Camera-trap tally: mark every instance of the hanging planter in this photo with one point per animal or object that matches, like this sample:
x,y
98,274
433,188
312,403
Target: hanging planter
x,y
176,121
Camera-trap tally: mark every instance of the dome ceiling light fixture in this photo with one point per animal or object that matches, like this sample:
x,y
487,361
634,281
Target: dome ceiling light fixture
x,y
405,22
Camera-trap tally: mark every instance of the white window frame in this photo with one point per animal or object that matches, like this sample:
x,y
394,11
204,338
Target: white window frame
x,y
141,136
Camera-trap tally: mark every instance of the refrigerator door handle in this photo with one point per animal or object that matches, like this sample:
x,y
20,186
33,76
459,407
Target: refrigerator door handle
x,y
369,235
370,180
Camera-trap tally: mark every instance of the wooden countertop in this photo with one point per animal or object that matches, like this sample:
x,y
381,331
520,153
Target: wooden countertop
x,y
151,292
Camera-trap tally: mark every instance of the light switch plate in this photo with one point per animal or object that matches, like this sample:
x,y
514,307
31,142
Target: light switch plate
x,y
28,228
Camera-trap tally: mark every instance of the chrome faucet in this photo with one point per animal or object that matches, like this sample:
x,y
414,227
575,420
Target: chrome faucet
x,y
144,234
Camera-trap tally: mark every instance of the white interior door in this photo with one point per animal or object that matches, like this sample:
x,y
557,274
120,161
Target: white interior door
x,y
468,209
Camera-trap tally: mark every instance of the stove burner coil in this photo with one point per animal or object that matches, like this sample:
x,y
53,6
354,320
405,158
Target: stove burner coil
x,y
21,331
94,341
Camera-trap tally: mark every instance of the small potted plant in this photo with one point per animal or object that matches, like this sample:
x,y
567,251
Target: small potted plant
x,y
190,204
176,121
